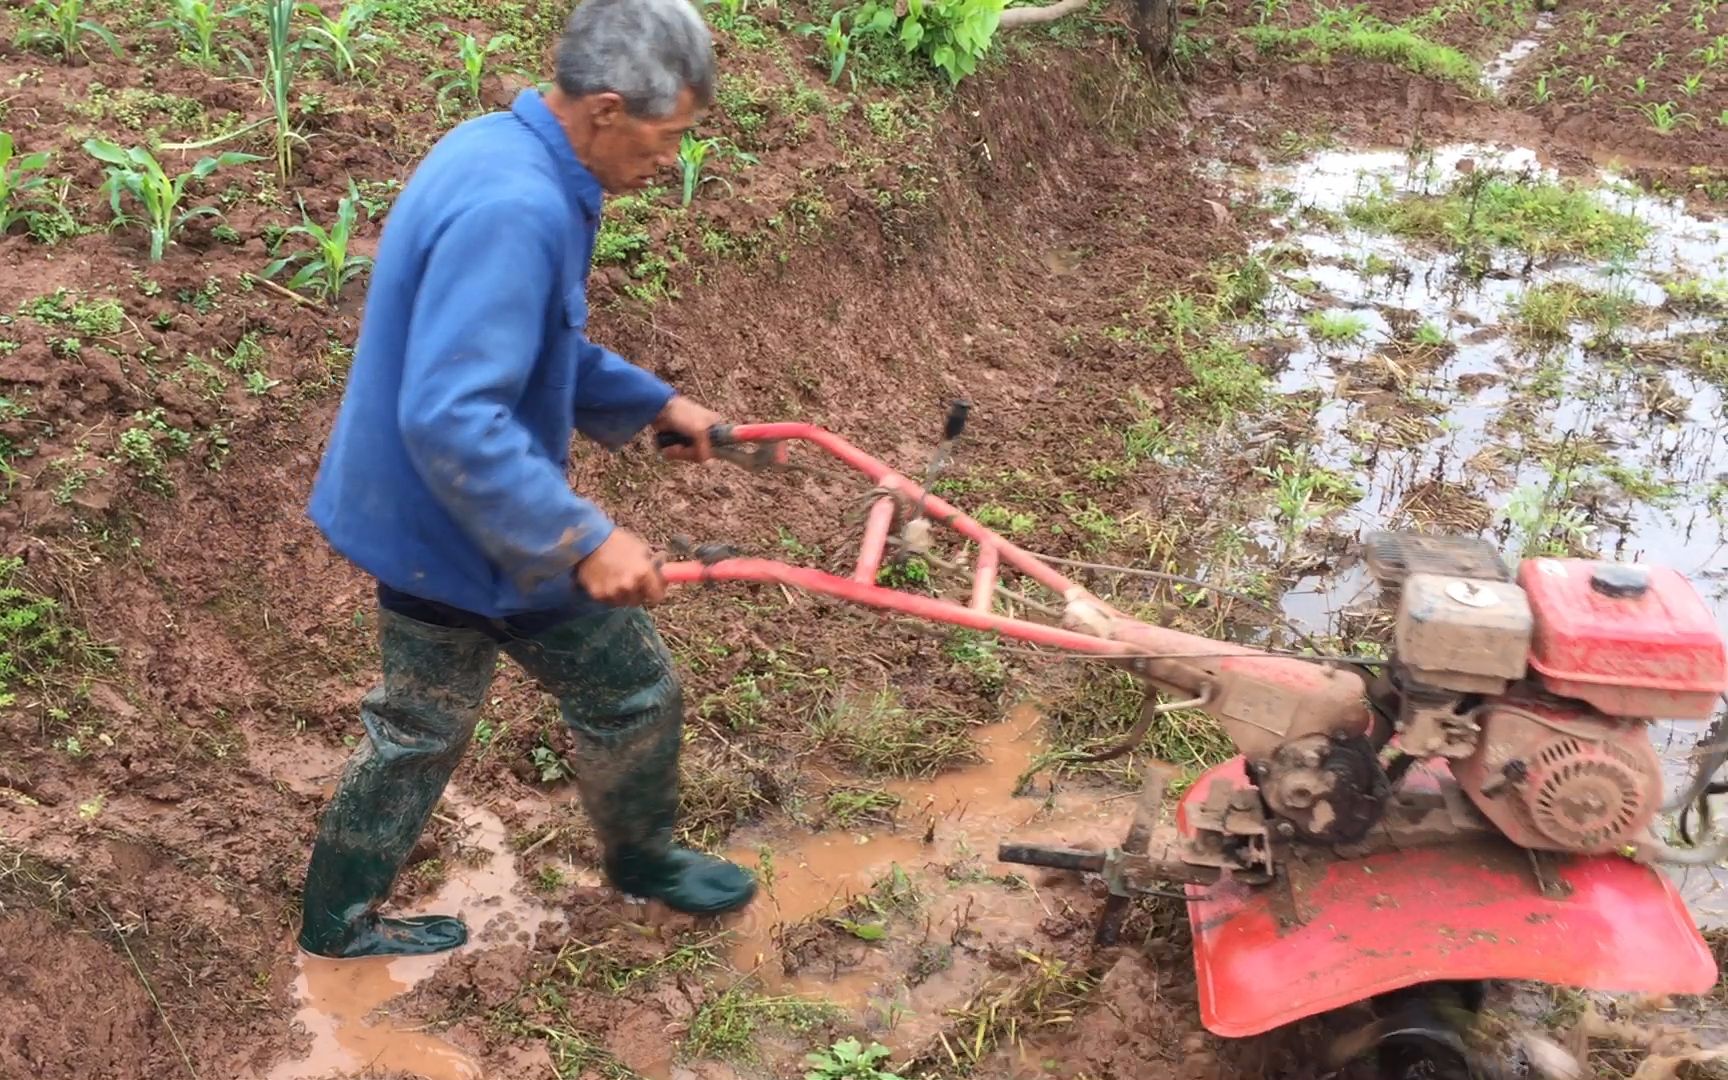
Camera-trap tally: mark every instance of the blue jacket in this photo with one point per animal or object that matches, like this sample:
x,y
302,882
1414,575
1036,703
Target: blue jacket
x,y
445,474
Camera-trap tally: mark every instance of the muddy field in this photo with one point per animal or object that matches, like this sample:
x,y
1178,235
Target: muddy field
x,y
1221,322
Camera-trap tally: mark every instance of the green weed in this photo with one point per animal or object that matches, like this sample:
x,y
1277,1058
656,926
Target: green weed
x,y
1698,295
1304,493
137,173
1541,522
33,633
729,1026
1548,312
980,655
325,266
146,447
1494,211
851,807
1352,30
1226,381
849,1059
1336,327
875,732
63,28
98,318
1430,336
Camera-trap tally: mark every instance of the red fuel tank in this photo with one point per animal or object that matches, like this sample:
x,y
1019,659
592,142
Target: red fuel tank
x,y
1631,640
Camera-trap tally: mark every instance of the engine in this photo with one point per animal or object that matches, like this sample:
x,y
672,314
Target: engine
x,y
1539,689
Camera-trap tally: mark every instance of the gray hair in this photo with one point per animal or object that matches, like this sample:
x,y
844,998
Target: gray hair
x,y
645,51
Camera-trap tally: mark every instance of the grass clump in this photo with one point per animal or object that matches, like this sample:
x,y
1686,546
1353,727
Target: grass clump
x,y
729,1026
1100,711
1547,313
1353,31
1488,211
1336,327
880,735
1044,995
850,807
32,633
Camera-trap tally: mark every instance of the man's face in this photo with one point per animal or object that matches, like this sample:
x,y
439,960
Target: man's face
x,y
628,152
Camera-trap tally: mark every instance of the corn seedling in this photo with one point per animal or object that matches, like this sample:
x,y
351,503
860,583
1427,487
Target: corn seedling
x,y
1587,85
281,65
729,9
137,173
1639,86
692,154
198,25
1722,120
325,266
1540,93
1714,54
836,44
1665,116
65,29
345,40
20,187
1691,85
468,77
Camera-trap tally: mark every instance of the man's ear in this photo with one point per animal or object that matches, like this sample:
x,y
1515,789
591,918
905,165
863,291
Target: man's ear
x,y
608,109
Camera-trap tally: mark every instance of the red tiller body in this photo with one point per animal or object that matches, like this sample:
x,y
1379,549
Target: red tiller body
x,y
1330,928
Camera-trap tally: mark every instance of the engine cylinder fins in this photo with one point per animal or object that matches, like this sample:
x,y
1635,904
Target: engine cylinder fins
x,y
1586,796
1392,556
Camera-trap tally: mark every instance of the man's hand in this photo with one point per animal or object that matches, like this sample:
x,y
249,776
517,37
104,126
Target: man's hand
x,y
621,572
692,421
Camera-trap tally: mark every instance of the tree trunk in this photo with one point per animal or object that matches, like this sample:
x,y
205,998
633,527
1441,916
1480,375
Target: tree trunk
x,y
1155,29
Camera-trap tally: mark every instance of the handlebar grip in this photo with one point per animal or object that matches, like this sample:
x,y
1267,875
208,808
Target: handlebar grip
x,y
956,423
718,435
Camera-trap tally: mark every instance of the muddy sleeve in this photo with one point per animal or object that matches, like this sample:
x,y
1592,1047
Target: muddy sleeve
x,y
473,342
614,398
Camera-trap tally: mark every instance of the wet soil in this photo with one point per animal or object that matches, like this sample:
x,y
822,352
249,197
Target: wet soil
x,y
160,791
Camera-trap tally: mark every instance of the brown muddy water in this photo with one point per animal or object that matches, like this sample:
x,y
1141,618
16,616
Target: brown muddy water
x,y
909,970
345,1004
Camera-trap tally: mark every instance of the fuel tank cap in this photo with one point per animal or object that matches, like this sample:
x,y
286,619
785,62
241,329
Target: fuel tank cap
x,y
1620,580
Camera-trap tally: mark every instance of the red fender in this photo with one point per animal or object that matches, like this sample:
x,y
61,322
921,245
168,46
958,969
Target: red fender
x,y
1330,933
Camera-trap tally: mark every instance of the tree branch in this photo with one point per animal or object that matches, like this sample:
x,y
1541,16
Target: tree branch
x,y
1036,16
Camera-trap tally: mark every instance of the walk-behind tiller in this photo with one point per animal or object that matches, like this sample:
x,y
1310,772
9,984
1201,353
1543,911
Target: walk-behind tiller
x,y
1479,805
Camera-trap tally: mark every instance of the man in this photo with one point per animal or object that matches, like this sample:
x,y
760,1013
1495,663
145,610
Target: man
x,y
445,480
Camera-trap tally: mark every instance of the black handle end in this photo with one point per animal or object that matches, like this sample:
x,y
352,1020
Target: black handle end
x,y
718,435
957,413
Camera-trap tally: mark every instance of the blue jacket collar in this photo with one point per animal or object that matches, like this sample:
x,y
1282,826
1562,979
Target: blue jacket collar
x,y
580,186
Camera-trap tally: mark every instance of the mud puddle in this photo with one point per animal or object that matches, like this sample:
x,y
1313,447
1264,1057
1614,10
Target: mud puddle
x,y
344,1003
1497,73
1596,439
926,901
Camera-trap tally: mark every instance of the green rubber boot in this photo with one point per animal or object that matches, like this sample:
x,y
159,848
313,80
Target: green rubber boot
x,y
618,694
418,723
